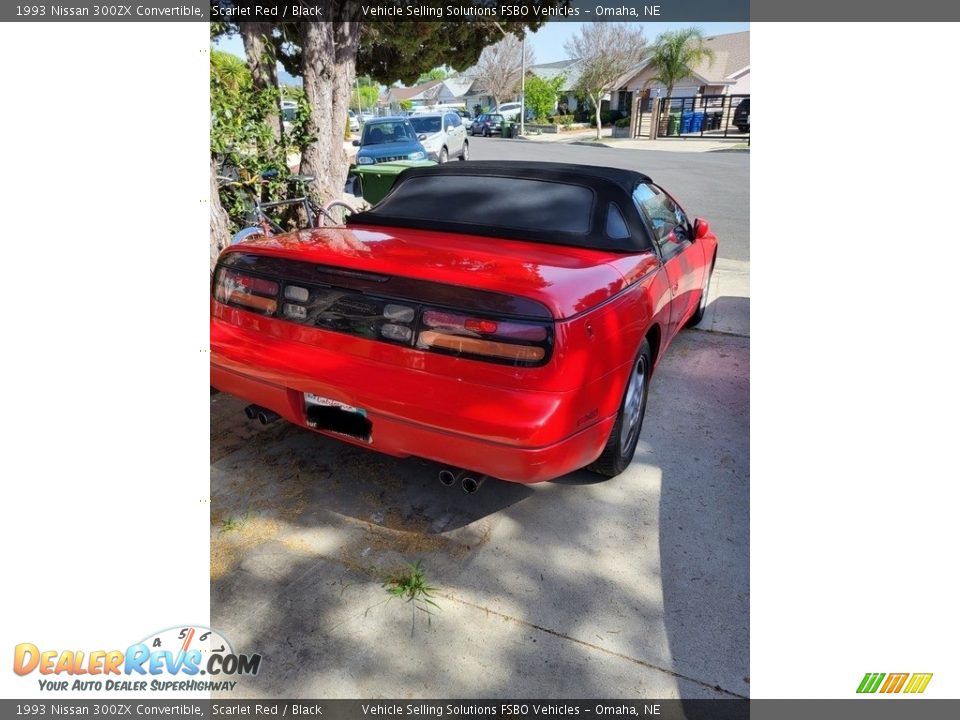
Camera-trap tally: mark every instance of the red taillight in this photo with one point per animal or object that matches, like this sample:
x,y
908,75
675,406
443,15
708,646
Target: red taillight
x,y
488,327
483,338
251,292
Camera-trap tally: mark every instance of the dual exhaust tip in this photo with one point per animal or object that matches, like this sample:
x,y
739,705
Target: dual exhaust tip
x,y
469,481
255,412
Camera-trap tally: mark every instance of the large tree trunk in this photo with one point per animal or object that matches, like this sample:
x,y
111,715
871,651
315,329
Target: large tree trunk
x,y
329,66
262,64
219,222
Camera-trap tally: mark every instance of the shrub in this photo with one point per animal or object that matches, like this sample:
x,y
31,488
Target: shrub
x,y
622,122
608,117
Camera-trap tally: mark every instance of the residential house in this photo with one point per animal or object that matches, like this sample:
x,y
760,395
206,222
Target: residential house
x,y
421,95
451,91
727,74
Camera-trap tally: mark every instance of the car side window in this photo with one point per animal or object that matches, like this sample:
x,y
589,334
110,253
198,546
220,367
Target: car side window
x,y
671,229
616,226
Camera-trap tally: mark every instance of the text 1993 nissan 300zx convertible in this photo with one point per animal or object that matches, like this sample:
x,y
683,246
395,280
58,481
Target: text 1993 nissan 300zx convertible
x,y
503,319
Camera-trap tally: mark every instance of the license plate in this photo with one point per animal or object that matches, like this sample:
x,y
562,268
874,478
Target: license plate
x,y
311,399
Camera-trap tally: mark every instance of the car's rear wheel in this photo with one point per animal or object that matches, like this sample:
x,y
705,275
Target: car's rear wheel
x,y
702,304
444,156
622,444
465,155
486,132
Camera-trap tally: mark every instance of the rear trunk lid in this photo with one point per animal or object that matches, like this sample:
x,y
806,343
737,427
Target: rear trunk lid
x,y
566,280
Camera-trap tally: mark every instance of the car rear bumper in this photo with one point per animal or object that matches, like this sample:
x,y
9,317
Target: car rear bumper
x,y
501,432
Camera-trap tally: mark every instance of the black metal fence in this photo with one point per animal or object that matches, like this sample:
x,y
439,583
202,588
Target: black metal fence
x,y
701,116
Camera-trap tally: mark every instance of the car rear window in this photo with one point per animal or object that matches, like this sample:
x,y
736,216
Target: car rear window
x,y
425,124
508,203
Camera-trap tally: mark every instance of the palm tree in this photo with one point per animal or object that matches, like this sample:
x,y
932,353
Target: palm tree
x,y
676,53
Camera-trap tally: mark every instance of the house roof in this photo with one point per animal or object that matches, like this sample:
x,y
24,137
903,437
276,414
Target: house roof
x,y
417,92
731,56
568,68
458,86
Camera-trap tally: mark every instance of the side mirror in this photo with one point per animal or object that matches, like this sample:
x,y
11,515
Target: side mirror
x,y
421,137
701,228
356,143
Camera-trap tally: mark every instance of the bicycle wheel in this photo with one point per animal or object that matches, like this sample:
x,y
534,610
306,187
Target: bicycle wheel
x,y
336,214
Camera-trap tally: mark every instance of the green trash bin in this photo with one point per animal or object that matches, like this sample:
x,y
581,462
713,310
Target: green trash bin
x,y
376,180
674,126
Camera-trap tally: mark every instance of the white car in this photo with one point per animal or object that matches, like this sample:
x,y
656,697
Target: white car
x,y
354,121
289,110
510,111
442,135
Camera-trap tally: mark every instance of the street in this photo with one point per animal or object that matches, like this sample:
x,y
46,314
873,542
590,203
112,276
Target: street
x,y
636,586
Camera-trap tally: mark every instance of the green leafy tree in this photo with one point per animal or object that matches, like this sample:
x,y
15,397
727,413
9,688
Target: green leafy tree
x,y
541,95
607,53
438,73
242,143
368,96
676,53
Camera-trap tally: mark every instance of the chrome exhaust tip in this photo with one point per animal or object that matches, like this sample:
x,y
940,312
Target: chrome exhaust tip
x,y
255,412
449,476
471,484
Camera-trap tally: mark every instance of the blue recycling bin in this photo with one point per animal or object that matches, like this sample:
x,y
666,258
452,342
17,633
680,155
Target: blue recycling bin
x,y
686,119
697,125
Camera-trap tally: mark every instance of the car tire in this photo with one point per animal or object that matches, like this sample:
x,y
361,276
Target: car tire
x,y
622,443
702,302
465,153
486,132
443,156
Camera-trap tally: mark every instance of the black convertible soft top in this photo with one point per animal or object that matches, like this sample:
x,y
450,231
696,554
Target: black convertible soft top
x,y
579,205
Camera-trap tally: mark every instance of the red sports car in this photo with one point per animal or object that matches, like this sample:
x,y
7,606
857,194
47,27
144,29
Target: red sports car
x,y
503,319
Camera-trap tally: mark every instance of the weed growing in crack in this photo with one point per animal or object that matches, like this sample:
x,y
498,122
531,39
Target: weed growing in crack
x,y
410,585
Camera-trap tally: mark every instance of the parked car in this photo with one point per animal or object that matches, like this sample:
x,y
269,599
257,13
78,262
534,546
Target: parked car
x,y
511,111
741,115
388,139
366,117
513,337
354,121
288,110
442,136
487,124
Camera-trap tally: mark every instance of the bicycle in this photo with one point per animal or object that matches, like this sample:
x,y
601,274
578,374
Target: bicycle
x,y
261,224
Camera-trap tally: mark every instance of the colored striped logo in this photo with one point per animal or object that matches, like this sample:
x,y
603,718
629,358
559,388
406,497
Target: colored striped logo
x,y
894,682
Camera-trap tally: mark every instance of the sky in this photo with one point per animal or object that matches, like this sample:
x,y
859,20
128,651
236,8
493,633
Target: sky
x,y
549,40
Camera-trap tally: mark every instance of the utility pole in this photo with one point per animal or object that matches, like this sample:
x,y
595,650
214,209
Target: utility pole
x,y
523,80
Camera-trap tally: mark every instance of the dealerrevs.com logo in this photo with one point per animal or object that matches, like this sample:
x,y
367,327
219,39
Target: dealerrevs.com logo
x,y
172,659
894,683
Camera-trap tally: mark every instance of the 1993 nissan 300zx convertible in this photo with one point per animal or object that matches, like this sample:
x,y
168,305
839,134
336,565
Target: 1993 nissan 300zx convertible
x,y
501,318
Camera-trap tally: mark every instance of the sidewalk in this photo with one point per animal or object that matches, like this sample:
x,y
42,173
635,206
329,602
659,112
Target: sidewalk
x,y
688,144
728,311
